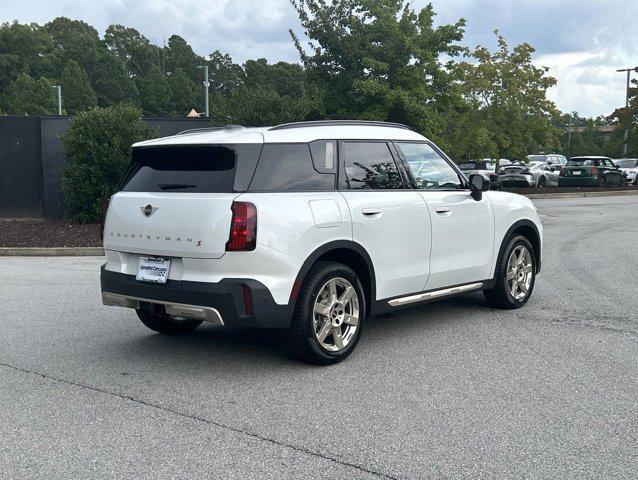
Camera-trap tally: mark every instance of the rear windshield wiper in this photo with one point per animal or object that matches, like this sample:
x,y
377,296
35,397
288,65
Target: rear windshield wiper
x,y
175,186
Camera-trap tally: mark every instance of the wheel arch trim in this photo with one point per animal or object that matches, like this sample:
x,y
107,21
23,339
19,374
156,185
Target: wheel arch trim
x,y
326,248
515,226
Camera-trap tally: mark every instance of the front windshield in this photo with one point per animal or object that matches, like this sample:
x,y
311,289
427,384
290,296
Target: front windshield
x,y
627,163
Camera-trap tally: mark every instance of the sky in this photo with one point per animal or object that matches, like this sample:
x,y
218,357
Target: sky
x,y
583,42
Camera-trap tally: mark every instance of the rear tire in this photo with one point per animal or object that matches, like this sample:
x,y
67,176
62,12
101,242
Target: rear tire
x,y
515,275
329,314
162,323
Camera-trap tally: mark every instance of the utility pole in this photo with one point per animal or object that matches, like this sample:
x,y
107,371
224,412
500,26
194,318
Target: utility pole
x,y
59,91
206,85
569,135
626,140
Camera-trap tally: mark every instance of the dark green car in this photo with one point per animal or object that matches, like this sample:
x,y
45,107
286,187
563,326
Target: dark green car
x,y
591,172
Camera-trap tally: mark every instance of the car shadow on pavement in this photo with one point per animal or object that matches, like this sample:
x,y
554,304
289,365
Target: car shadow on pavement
x,y
263,348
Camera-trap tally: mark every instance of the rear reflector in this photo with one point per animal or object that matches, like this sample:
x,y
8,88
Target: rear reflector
x,y
248,300
243,228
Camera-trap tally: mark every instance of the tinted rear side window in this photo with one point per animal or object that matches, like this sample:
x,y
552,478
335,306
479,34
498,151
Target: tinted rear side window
x,y
191,168
289,167
370,165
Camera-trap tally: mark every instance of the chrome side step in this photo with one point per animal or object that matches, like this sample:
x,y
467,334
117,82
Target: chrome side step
x,y
207,314
419,297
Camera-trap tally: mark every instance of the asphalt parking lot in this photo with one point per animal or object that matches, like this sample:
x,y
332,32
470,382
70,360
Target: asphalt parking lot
x,y
449,390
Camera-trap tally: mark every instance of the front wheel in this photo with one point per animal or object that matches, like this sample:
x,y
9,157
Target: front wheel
x,y
329,314
515,275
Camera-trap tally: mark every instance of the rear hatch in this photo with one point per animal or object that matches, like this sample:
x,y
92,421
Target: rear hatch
x,y
580,168
176,200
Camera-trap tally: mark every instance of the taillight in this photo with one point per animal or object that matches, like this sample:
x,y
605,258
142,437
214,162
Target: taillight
x,y
105,207
243,228
562,171
593,171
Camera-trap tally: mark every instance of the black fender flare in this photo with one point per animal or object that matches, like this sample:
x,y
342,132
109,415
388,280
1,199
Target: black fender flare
x,y
507,236
327,247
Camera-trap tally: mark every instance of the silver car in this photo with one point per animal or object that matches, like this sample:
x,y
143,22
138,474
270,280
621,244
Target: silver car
x,y
630,167
518,175
545,175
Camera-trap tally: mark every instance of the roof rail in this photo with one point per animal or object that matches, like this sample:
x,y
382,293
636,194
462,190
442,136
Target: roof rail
x,y
330,123
210,129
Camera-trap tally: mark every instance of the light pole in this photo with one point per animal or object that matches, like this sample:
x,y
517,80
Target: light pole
x,y
59,91
206,85
569,135
625,141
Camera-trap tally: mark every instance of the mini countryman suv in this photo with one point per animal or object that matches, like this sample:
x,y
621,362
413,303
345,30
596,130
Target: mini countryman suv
x,y
311,228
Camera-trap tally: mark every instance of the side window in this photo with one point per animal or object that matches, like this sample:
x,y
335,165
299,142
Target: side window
x,y
370,165
429,169
324,155
288,167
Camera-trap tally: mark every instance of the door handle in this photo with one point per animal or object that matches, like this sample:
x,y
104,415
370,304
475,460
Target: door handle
x,y
443,210
370,212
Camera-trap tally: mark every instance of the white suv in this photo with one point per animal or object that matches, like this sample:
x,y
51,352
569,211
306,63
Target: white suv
x,y
311,227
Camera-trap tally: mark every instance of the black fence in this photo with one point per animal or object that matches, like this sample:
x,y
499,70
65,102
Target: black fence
x,y
31,160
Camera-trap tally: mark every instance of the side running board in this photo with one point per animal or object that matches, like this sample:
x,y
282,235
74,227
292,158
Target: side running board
x,y
419,297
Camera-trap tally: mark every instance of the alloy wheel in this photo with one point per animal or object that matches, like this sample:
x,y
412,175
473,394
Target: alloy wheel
x,y
335,314
520,271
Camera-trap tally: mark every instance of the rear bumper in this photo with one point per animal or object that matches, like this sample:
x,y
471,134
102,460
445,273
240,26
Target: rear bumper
x,y
517,181
221,303
577,181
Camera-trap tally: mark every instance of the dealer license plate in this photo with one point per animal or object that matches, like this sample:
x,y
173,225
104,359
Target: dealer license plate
x,y
153,269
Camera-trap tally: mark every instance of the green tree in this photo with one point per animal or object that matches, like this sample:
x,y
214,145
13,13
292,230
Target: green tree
x,y
154,91
97,148
625,118
380,59
112,83
134,49
184,94
74,40
507,114
23,49
28,96
179,55
78,94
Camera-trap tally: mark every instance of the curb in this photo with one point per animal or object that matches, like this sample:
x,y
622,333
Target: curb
x,y
542,196
51,252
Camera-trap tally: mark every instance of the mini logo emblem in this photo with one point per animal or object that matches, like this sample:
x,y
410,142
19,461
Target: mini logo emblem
x,y
148,210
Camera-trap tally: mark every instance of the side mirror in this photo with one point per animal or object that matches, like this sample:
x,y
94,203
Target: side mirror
x,y
478,185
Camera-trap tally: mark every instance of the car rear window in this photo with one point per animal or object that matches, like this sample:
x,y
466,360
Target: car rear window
x,y
191,168
582,162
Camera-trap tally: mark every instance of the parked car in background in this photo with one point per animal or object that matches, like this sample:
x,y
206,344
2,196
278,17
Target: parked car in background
x,y
630,167
591,171
517,175
485,168
545,175
550,159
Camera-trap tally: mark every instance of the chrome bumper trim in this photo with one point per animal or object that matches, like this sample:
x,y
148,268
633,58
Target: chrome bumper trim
x,y
436,293
207,314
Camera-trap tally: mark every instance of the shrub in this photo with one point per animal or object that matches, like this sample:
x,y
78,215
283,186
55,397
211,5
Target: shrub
x,y
98,149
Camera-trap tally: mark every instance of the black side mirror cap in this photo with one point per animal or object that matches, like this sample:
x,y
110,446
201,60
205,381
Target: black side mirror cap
x,y
478,185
